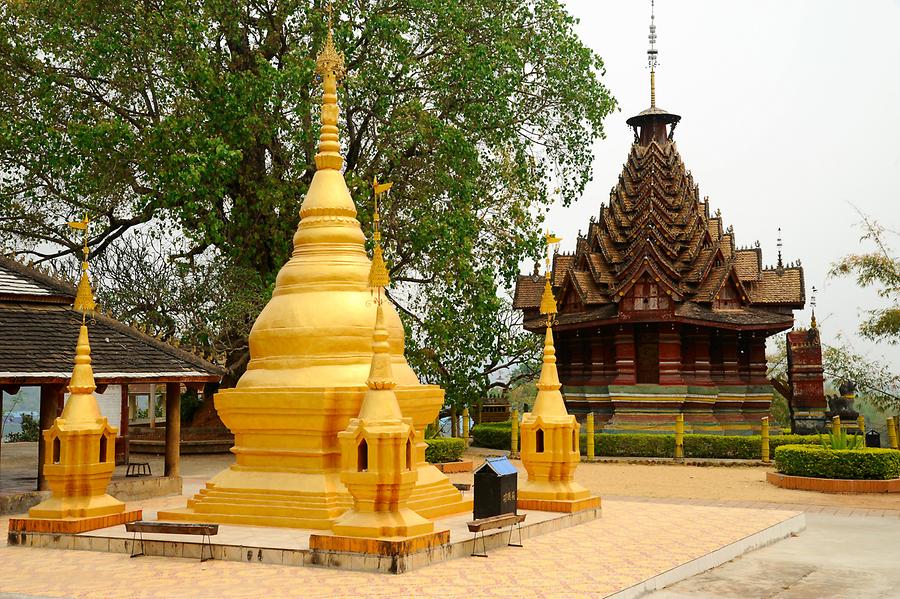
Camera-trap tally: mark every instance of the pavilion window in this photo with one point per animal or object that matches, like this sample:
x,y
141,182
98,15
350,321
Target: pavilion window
x,y
56,450
362,456
539,441
409,459
103,443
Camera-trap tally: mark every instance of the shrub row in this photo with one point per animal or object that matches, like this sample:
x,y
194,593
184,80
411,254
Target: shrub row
x,y
444,449
496,435
819,462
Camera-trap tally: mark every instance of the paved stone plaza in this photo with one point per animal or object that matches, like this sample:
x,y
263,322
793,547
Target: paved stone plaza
x,y
595,559
664,528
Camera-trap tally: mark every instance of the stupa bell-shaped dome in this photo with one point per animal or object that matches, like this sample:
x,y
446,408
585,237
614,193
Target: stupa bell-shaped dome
x,y
317,329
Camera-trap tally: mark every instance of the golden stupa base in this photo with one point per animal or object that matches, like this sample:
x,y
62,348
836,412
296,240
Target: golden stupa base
x,y
59,506
293,500
555,496
568,506
400,523
288,459
434,496
395,547
72,525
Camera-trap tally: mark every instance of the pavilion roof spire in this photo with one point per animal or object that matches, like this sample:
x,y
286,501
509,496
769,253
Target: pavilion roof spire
x,y
330,67
82,405
84,297
548,302
380,401
549,400
652,53
378,273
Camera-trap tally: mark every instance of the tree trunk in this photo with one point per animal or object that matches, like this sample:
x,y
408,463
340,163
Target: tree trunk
x,y
454,422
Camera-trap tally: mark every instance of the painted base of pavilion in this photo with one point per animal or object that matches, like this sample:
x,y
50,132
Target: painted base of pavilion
x,y
72,525
560,505
398,547
728,410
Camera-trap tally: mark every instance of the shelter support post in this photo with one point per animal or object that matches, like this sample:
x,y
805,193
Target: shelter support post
x,y
173,428
151,406
52,396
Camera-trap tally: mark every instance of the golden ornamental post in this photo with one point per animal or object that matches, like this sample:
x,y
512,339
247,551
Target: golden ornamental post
x,y
679,438
861,424
764,441
589,429
465,416
892,432
836,426
514,438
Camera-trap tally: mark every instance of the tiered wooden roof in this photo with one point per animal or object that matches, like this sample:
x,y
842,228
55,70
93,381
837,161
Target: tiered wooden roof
x,y
657,229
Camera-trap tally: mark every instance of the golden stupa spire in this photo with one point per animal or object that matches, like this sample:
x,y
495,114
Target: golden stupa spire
x,y
330,67
82,405
549,401
652,53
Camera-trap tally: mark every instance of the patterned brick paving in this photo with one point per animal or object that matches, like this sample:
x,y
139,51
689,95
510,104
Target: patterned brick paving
x,y
632,541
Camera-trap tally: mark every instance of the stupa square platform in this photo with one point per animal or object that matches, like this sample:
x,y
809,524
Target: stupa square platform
x,y
310,547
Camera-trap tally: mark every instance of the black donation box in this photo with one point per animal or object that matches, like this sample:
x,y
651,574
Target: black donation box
x,y
495,488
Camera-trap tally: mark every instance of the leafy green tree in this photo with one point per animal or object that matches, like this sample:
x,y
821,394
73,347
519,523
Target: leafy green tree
x,y
880,268
194,123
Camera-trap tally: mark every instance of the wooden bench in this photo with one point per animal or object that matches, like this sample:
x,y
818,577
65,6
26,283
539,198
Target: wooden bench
x,y
138,469
501,521
171,528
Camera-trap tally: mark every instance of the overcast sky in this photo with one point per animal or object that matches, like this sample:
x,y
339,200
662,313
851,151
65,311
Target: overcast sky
x,y
789,118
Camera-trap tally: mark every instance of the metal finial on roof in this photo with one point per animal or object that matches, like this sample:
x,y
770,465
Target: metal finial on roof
x,y
780,263
652,53
812,303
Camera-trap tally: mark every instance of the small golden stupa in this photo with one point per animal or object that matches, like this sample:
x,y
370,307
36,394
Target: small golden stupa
x,y
378,467
79,446
310,353
549,434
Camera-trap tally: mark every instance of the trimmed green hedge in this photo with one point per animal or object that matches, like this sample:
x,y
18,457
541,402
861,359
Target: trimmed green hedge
x,y
496,435
444,449
493,435
818,462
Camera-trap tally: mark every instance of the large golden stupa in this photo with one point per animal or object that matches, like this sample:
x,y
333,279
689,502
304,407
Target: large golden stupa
x,y
311,349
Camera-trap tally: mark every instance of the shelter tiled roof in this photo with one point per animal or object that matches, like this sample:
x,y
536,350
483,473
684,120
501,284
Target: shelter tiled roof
x,y
39,342
24,283
39,328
